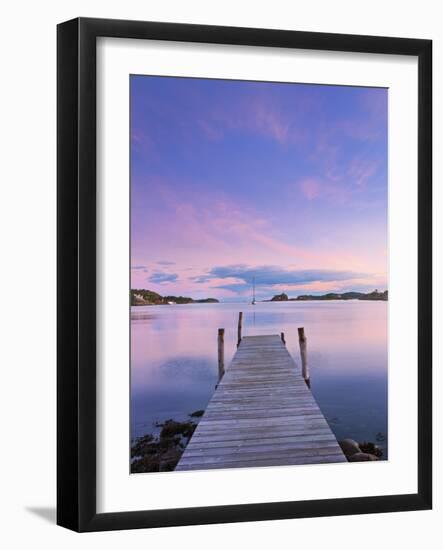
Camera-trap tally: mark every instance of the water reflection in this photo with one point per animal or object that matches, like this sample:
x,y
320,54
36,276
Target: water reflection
x,y
174,358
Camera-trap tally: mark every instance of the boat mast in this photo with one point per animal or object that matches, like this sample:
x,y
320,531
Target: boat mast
x,y
253,291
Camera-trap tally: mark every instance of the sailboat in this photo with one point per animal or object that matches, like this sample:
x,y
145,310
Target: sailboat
x,y
253,292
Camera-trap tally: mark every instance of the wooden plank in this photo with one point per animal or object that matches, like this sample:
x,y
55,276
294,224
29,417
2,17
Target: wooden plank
x,y
269,423
260,438
219,450
261,414
300,430
286,461
241,455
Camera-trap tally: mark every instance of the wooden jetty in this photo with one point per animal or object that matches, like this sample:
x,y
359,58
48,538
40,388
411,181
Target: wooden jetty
x,y
261,414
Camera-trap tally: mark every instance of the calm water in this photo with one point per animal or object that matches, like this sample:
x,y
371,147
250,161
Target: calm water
x,y
174,358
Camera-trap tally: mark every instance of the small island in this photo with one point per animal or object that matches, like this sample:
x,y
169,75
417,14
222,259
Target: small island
x,y
375,295
142,297
279,298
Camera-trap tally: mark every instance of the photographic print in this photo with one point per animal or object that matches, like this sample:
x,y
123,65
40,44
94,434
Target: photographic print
x,y
244,274
259,282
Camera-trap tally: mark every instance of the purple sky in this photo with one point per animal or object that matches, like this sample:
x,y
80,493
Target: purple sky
x,y
232,180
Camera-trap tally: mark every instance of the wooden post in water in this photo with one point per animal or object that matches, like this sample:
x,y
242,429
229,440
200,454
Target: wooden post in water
x,y
240,322
221,353
304,356
282,336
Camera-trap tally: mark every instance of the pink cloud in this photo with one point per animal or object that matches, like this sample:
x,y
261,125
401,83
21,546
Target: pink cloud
x,y
212,227
315,188
311,188
327,156
258,116
361,132
213,132
270,123
142,143
360,171
206,229
340,183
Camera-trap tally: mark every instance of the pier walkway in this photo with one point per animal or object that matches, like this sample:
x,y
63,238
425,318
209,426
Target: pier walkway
x,y
261,414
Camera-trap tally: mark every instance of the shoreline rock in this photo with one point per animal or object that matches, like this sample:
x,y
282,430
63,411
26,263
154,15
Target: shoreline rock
x,y
360,452
349,447
161,453
361,457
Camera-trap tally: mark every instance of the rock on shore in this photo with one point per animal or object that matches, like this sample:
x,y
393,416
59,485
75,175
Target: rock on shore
x,y
360,452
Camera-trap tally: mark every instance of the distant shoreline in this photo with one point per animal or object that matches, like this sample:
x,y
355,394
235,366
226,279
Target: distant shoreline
x,y
369,296
143,297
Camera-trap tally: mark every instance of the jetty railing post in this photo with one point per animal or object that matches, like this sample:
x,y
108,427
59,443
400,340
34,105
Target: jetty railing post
x,y
221,353
282,336
304,356
239,329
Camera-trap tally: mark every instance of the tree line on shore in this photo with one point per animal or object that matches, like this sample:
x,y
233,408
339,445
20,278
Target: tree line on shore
x,y
143,297
375,295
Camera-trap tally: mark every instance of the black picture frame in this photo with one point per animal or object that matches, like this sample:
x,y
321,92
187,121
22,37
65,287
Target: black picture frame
x,y
76,265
